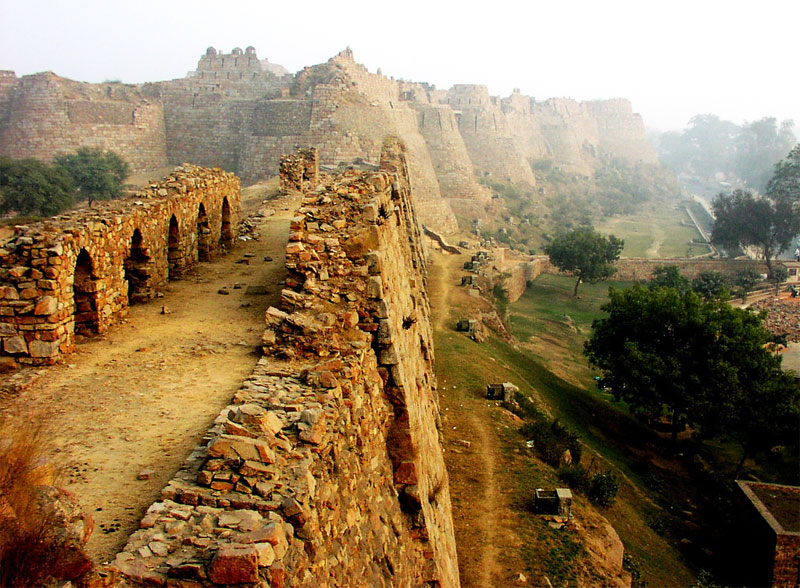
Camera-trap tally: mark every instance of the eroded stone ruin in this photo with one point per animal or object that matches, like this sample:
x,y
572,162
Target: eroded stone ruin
x,y
327,468
76,274
241,113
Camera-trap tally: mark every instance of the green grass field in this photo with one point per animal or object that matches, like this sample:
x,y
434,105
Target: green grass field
x,y
662,231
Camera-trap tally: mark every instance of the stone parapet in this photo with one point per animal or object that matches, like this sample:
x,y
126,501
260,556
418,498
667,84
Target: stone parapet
x,y
326,470
76,274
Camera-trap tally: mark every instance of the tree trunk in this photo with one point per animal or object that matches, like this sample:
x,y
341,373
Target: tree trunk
x,y
768,261
575,292
673,438
741,462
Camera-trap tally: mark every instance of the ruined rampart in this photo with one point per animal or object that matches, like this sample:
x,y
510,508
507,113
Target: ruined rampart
x,y
326,470
44,115
77,273
241,113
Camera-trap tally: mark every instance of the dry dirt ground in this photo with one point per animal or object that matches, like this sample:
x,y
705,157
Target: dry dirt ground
x,y
134,402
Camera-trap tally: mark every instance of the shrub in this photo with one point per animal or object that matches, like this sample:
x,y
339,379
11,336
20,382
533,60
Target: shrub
x,y
551,439
603,488
35,541
632,565
574,476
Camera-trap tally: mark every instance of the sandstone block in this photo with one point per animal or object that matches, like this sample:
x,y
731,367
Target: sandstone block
x,y
39,348
14,345
266,554
46,305
234,447
8,293
234,564
375,287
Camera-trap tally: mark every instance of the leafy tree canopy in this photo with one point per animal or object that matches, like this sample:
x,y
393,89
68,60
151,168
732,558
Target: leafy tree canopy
x,y
30,186
747,279
769,222
97,174
669,276
699,362
711,284
585,253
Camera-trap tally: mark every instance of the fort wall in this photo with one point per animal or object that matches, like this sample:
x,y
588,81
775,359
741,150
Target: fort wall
x,y
326,469
235,111
46,115
76,274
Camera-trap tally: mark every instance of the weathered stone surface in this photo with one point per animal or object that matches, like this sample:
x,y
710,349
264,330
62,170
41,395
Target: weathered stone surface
x,y
233,447
347,437
234,564
99,259
46,305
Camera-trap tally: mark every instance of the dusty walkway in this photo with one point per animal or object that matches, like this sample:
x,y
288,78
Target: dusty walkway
x,y
482,515
134,402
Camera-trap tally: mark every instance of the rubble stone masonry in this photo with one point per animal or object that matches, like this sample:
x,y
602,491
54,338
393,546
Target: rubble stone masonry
x,y
326,470
77,273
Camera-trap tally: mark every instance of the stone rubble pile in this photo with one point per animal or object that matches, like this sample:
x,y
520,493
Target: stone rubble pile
x,y
783,316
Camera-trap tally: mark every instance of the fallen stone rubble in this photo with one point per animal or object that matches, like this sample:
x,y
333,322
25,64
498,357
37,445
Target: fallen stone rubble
x,y
783,316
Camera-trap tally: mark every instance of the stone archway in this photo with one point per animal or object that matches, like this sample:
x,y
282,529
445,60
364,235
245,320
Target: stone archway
x,y
203,235
85,287
137,270
173,248
226,231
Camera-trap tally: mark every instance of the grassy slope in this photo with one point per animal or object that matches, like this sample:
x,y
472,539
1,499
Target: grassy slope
x,y
464,368
605,428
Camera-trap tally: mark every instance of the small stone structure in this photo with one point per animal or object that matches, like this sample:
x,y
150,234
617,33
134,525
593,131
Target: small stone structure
x,y
770,535
327,469
554,502
504,391
76,274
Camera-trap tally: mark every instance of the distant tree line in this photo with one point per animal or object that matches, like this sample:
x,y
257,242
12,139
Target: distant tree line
x,y
746,154
33,187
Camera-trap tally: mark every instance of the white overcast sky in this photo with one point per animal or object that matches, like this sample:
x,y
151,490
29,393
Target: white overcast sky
x,y
672,59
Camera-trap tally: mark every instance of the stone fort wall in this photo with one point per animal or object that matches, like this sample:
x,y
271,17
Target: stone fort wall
x,y
77,273
241,113
44,115
326,470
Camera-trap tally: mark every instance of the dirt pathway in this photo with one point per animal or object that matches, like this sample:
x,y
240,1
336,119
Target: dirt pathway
x,y
134,403
481,512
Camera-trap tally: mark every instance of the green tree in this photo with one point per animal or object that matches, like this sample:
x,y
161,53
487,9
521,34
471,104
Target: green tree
x,y
30,186
784,186
698,362
779,275
711,284
743,220
746,279
669,276
97,174
586,254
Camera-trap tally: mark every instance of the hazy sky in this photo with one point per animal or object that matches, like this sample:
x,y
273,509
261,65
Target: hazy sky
x,y
673,59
